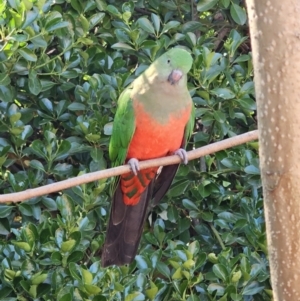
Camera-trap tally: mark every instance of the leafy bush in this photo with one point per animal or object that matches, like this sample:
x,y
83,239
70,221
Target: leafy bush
x,y
63,65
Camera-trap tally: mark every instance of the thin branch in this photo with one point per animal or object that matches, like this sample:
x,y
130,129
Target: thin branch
x,y
116,171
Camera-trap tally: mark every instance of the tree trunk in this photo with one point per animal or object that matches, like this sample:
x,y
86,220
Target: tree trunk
x,y
275,37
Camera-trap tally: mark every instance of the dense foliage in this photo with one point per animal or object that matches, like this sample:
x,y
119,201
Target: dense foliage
x,y
63,65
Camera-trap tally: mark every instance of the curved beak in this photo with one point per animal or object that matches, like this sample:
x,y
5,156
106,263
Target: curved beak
x,y
175,76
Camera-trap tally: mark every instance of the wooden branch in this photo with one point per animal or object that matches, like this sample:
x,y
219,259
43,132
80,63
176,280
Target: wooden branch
x,y
94,176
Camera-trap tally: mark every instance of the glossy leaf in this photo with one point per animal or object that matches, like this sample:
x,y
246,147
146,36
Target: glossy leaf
x,y
34,83
205,5
238,14
28,55
146,25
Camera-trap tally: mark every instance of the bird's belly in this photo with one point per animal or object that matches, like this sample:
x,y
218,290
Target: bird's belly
x,y
153,139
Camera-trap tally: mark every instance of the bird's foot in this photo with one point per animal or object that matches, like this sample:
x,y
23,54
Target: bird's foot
x,y
134,165
182,155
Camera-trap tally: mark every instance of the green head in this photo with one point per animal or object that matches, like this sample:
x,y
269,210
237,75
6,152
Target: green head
x,y
171,66
174,59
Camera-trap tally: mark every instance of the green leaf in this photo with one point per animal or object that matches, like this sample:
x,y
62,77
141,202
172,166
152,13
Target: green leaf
x,y
156,22
87,276
183,224
170,25
205,5
6,93
101,5
25,209
113,10
247,103
189,205
189,264
95,19
67,246
108,127
77,106
5,210
141,262
43,289
4,79
56,258
219,116
242,58
207,216
75,256
30,233
77,6
240,116
201,259
122,46
159,233
38,148
56,24
69,74
172,214
59,236
252,170
191,26
227,216
224,93
74,272
22,245
216,288
15,117
248,87
84,23
252,288
34,83
27,54
49,203
27,132
225,3
220,271
238,14
177,275
92,289
16,18
39,42
136,296
5,291
194,247
146,25
63,150
66,206
163,269
66,297
236,297
152,292
30,17
38,278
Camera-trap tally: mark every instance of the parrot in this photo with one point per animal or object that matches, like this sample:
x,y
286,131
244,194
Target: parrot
x,y
154,118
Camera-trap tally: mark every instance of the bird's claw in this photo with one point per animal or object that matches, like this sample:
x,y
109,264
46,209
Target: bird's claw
x,y
134,165
182,155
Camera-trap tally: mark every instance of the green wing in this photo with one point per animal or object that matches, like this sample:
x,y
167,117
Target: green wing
x,y
189,128
123,129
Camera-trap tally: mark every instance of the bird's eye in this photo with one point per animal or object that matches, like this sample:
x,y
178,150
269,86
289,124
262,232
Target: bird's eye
x,y
168,61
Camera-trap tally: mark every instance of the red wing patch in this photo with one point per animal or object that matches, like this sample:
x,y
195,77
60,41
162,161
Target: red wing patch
x,y
133,186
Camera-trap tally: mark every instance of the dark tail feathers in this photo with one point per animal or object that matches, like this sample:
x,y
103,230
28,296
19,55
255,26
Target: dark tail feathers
x,y
126,223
